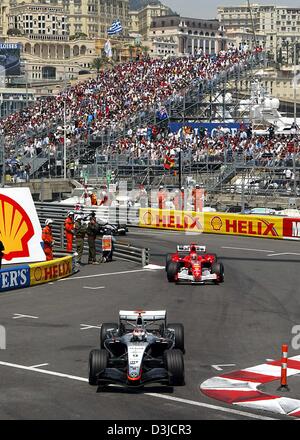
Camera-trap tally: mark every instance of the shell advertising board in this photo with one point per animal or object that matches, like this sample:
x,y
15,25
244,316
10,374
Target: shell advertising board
x,y
20,229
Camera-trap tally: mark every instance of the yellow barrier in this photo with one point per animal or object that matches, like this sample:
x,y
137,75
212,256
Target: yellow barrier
x,y
50,270
249,225
215,223
173,220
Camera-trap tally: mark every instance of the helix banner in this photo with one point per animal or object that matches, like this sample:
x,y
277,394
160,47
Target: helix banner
x,y
170,219
51,270
249,225
215,223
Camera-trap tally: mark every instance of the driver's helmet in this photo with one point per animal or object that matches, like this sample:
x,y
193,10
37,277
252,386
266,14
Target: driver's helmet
x,y
194,256
139,334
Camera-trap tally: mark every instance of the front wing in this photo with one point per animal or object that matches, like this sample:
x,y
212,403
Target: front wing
x,y
189,279
116,376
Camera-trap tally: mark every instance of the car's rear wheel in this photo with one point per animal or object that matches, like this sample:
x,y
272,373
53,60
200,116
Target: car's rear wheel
x,y
179,336
218,269
168,260
103,332
98,361
172,271
174,364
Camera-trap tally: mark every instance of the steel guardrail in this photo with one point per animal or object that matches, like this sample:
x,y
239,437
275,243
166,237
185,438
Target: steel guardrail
x,y
125,251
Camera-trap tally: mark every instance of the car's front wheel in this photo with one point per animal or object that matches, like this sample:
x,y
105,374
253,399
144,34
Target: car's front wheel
x,y
98,361
174,364
172,271
168,260
179,336
218,269
103,332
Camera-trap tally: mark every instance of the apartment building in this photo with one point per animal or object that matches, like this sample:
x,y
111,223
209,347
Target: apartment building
x,y
89,17
141,20
279,24
176,36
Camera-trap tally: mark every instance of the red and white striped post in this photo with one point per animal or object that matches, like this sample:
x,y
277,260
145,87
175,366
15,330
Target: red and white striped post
x,y
284,359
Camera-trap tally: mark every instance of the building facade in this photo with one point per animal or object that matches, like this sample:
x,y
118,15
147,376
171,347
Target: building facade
x,y
176,36
141,21
38,20
89,17
60,38
280,25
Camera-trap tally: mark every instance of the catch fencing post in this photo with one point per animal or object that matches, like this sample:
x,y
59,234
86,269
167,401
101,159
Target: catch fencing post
x,y
284,359
62,234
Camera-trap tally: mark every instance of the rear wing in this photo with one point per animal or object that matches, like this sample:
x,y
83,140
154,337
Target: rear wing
x,y
187,248
147,316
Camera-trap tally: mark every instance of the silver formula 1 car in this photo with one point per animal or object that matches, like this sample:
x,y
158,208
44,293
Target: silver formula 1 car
x,y
141,349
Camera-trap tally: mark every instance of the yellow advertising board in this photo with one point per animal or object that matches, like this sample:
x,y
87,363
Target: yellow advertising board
x,y
170,219
250,225
214,223
50,270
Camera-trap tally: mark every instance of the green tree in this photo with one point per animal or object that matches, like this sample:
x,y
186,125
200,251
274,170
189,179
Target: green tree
x,y
14,32
98,63
145,50
78,36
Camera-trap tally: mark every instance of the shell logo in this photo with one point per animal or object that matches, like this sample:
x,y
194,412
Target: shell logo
x,y
216,223
15,228
147,218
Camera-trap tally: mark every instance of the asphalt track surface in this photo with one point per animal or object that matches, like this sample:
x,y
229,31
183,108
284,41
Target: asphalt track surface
x,y
43,371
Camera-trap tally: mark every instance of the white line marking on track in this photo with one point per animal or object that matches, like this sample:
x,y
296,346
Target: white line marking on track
x,y
103,275
88,326
154,267
283,253
209,406
94,288
39,365
18,315
160,396
38,370
218,367
246,249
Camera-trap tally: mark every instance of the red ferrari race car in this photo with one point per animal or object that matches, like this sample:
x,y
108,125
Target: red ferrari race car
x,y
192,265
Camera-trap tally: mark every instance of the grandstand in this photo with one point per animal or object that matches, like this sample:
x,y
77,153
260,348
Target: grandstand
x,y
112,123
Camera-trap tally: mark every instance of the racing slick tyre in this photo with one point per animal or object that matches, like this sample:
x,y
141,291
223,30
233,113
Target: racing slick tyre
x,y
174,364
172,271
218,269
168,260
179,336
98,361
103,331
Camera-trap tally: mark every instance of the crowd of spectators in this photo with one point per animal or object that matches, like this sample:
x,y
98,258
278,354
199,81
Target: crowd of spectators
x,y
118,96
121,95
197,146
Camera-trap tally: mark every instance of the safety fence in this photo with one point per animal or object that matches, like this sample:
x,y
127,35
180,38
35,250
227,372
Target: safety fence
x,y
26,275
122,250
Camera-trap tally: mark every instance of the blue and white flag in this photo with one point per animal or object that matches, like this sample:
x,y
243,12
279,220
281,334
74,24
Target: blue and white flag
x,y
115,28
108,49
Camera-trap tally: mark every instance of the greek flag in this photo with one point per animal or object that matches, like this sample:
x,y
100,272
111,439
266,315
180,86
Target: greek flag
x,y
115,28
